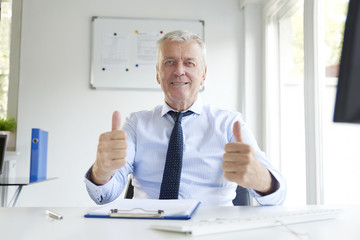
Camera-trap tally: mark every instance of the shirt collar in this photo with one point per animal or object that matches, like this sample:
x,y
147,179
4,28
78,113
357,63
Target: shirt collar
x,y
195,108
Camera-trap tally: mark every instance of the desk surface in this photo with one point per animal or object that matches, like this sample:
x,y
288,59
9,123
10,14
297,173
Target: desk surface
x,y
19,181
33,223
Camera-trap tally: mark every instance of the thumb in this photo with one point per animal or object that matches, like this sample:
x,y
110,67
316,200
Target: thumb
x,y
116,121
237,131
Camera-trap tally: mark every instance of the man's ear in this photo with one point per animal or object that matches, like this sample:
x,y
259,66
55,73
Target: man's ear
x,y
157,74
204,76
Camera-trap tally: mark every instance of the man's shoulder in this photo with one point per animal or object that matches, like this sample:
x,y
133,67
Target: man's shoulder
x,y
217,111
156,111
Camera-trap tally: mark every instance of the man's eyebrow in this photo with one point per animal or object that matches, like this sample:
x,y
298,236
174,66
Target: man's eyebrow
x,y
166,58
174,58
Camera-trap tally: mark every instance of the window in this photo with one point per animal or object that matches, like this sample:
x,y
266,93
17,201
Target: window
x,y
10,35
340,154
303,42
292,117
285,83
5,27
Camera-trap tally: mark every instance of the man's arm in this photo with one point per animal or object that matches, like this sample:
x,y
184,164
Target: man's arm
x,y
104,182
242,166
111,153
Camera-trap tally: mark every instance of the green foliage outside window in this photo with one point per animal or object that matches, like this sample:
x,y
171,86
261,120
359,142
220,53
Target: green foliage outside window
x,y
334,22
7,124
5,24
335,16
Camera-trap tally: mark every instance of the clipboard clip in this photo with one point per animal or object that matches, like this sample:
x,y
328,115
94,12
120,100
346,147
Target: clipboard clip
x,y
131,214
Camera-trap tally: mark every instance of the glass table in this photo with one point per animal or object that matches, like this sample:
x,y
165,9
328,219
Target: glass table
x,y
6,182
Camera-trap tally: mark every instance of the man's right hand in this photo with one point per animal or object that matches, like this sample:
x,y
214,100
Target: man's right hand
x,y
111,152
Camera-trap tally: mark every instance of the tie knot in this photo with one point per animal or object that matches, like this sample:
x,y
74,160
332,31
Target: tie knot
x,y
177,116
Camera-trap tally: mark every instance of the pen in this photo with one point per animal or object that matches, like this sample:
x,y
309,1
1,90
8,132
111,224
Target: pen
x,y
54,215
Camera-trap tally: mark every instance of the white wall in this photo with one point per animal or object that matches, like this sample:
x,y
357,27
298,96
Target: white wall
x,y
253,71
54,91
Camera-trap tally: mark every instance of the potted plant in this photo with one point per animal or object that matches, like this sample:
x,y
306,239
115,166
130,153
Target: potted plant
x,y
7,126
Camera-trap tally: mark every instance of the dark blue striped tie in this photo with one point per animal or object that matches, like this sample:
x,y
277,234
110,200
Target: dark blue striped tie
x,y
172,171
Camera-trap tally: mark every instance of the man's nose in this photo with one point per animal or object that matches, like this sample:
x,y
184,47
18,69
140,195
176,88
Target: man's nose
x,y
179,70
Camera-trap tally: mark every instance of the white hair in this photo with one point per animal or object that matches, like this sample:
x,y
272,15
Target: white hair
x,y
182,36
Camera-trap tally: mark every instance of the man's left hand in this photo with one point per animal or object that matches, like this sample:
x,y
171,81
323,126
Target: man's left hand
x,y
242,166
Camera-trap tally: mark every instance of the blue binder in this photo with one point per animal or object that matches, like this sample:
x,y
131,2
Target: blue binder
x,y
38,163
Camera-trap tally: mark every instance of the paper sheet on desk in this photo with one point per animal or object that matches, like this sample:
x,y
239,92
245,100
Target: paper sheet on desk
x,y
172,209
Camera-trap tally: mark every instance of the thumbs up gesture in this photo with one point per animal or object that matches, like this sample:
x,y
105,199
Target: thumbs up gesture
x,y
241,165
111,152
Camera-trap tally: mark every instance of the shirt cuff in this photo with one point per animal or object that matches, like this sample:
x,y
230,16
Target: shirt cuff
x,y
96,192
275,198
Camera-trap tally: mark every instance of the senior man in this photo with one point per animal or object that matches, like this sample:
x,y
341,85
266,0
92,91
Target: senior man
x,y
183,148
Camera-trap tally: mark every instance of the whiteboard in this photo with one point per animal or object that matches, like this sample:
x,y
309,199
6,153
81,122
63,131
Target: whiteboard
x,y
123,50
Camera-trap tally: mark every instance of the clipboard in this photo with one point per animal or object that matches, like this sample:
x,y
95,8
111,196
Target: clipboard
x,y
182,209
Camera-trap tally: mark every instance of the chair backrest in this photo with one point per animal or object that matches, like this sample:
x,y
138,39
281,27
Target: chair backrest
x,y
129,191
242,195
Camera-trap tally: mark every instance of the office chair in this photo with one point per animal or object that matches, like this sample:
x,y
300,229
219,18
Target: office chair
x,y
242,195
129,191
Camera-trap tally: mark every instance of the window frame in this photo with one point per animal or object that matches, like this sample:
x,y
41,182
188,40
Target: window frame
x,y
273,12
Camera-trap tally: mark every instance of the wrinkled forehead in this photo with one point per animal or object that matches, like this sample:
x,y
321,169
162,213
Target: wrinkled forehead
x,y
189,49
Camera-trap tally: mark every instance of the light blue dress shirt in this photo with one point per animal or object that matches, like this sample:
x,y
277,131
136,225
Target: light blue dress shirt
x,y
205,134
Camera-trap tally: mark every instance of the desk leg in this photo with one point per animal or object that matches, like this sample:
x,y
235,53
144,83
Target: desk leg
x,y
14,199
4,196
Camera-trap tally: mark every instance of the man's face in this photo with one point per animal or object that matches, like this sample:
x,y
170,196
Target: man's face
x,y
181,72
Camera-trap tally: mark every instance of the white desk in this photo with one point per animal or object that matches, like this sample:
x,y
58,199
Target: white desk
x,y
33,223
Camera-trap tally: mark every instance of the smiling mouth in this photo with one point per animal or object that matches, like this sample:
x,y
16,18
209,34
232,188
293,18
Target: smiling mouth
x,y
179,83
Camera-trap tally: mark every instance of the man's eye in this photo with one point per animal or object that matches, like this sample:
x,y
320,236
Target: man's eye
x,y
169,62
190,63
